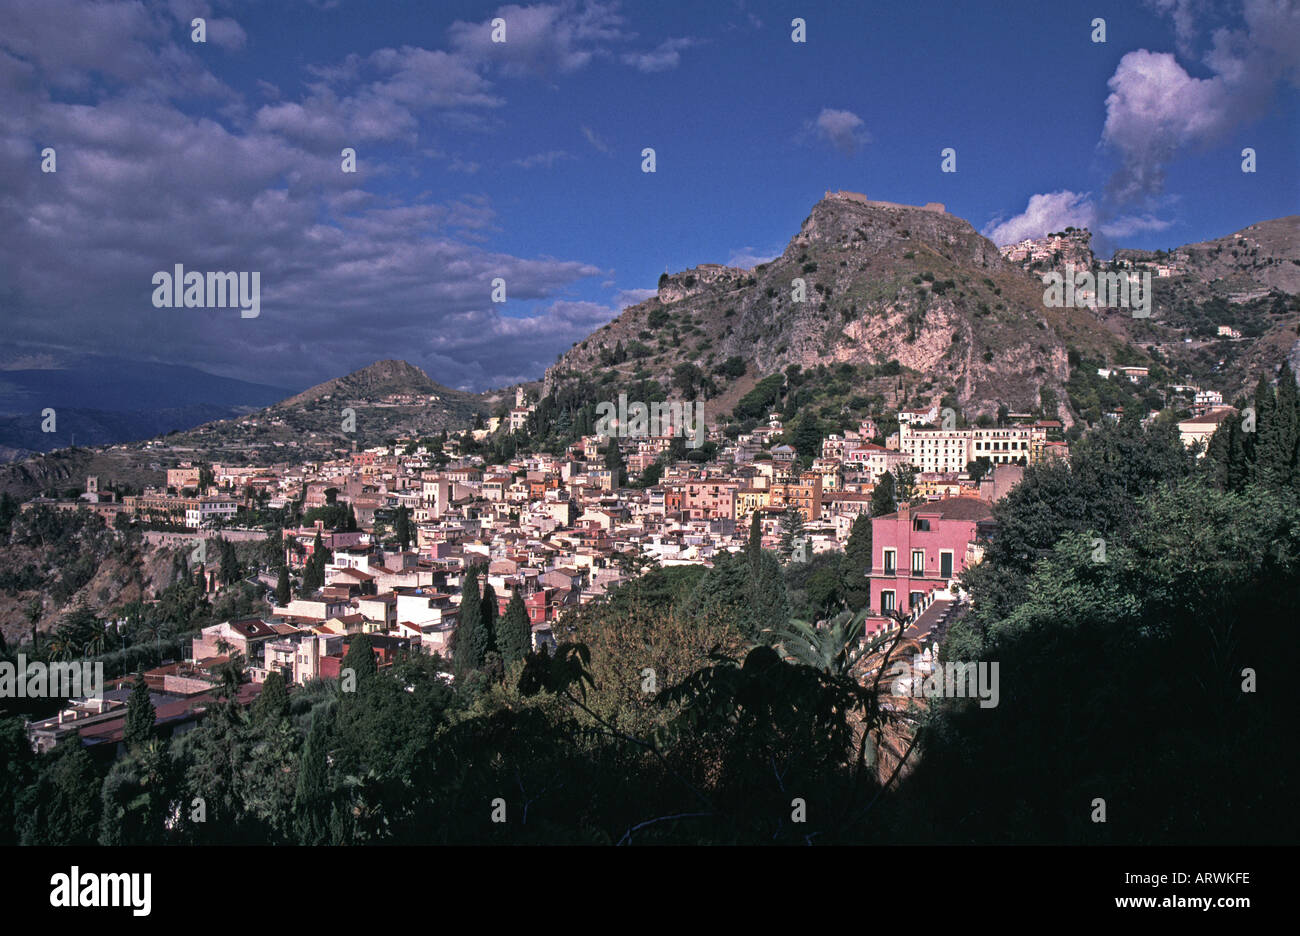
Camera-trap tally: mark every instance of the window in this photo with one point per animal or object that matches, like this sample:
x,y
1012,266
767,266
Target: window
x,y
891,561
945,564
914,599
886,602
921,524
918,561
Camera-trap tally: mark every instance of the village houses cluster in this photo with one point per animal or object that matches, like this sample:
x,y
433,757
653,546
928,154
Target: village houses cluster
x,y
560,531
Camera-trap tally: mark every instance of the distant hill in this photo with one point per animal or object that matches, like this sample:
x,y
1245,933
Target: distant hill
x,y
387,399
1248,282
368,407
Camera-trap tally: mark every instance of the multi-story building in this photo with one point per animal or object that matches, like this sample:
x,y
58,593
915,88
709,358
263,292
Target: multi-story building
x,y
184,477
921,549
710,500
953,449
875,459
805,493
200,511
918,417
749,499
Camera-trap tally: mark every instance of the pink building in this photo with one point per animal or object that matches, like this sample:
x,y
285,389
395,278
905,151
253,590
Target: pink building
x,y
919,550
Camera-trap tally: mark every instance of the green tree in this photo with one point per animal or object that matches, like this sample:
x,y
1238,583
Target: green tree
x,y
230,570
515,634
615,463
282,594
468,640
360,658
139,728
62,807
311,802
272,703
882,496
792,538
905,484
857,552
402,527
490,612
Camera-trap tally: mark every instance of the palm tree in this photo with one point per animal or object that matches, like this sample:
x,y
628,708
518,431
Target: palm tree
x,y
96,644
35,610
61,648
837,647
834,646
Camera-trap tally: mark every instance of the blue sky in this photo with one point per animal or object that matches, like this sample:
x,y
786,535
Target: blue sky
x,y
523,159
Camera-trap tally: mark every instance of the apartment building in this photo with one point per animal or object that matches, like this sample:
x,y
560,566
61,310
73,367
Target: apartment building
x,y
921,549
952,449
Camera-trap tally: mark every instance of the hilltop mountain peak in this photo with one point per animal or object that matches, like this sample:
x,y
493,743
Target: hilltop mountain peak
x,y
866,283
374,380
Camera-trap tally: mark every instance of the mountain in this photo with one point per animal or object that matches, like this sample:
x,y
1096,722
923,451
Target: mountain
x,y
1223,311
99,400
387,399
379,402
882,283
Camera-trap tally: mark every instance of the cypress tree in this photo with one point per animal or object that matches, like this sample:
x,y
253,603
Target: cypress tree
x,y
360,658
1217,452
755,544
282,593
140,717
882,496
614,462
1287,416
273,702
791,531
489,628
857,554
466,639
402,527
515,635
230,571
1239,462
310,800
1268,445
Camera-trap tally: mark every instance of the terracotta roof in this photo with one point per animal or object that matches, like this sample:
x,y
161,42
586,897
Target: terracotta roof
x,y
954,508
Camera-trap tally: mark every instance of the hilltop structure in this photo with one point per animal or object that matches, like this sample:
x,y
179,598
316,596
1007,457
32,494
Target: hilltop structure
x,y
861,199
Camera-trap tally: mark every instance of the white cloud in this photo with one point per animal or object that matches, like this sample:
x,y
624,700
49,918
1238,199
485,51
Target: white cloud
x,y
1157,108
546,160
1045,213
664,57
541,39
631,297
595,140
749,257
843,129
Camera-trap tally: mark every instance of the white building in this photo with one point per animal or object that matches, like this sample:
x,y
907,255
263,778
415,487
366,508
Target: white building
x,y
206,509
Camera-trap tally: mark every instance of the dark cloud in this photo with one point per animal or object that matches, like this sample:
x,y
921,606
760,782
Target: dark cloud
x,y
348,276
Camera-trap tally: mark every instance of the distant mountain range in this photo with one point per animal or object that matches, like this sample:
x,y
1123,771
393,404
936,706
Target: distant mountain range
x,y
101,400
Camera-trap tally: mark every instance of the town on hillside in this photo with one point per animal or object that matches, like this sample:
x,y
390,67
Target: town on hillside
x,y
386,542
